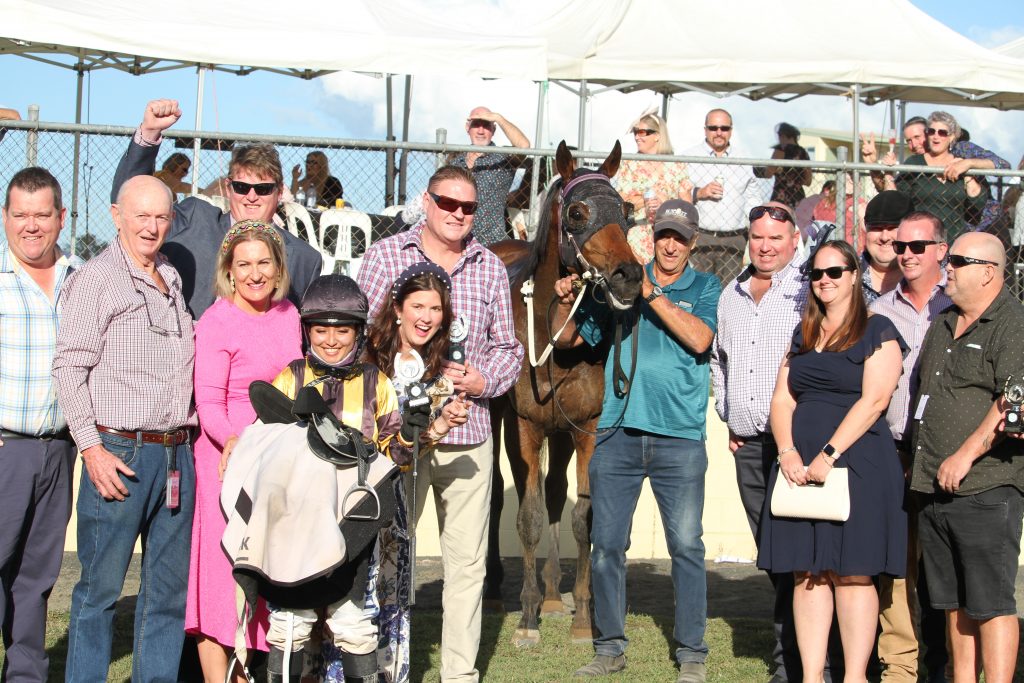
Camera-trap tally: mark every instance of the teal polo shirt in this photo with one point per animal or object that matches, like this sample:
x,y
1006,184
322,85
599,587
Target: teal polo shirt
x,y
669,394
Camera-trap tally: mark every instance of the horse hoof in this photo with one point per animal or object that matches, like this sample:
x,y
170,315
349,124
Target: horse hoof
x,y
582,636
553,607
526,637
494,605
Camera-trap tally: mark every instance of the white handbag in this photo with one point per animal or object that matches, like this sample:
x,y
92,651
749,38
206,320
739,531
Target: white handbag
x,y
829,501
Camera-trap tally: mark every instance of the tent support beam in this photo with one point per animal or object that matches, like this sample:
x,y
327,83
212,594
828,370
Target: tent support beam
x,y
78,155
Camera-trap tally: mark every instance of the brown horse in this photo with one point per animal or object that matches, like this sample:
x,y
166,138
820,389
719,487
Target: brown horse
x,y
583,231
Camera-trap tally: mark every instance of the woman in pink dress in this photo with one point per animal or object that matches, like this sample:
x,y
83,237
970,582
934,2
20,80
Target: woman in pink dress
x,y
249,333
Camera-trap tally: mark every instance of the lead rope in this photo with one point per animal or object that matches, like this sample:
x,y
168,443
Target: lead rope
x,y
527,291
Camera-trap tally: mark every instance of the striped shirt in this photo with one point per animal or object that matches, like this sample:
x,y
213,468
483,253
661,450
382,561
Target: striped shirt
x,y
125,350
28,337
912,325
480,295
752,339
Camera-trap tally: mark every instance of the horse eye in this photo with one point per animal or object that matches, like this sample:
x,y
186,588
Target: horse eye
x,y
578,213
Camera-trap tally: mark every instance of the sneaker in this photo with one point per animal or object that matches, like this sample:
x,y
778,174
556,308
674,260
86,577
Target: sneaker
x,y
692,672
601,665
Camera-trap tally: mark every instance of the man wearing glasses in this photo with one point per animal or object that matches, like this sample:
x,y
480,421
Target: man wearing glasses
x,y
493,172
724,195
969,475
459,468
255,184
123,369
916,301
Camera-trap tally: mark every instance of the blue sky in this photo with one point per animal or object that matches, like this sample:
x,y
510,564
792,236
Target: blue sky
x,y
349,105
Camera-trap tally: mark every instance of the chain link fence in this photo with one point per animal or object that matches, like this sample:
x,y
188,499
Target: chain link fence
x,y
375,175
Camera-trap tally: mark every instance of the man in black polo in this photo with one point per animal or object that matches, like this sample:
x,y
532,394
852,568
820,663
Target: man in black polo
x,y
970,476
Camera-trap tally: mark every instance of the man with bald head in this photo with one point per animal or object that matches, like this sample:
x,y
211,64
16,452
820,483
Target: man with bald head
x,y
123,369
493,172
969,475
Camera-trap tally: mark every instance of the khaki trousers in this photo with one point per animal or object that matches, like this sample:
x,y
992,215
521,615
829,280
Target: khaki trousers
x,y
460,477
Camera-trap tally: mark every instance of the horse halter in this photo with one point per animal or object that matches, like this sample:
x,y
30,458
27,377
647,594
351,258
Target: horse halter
x,y
572,239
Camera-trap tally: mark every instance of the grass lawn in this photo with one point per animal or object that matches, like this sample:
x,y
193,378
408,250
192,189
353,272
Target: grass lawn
x,y
737,649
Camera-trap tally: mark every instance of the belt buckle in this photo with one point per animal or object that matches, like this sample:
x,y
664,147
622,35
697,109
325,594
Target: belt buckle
x,y
169,438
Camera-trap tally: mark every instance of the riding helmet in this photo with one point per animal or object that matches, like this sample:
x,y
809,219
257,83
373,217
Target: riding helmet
x,y
334,300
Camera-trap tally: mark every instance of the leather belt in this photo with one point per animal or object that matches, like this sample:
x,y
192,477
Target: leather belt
x,y
175,437
63,435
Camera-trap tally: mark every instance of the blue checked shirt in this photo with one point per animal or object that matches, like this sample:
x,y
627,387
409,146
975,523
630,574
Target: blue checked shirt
x,y
28,338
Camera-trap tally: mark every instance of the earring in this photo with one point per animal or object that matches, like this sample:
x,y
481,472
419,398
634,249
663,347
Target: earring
x,y
398,321
231,280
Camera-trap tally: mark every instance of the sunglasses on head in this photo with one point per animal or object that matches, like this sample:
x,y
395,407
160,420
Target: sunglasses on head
x,y
916,246
262,189
937,131
715,129
833,272
774,212
452,205
959,261
643,132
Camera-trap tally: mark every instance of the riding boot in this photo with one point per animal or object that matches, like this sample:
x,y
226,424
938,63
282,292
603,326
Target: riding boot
x,y
275,666
359,668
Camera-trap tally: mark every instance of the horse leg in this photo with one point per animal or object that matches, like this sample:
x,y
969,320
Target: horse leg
x,y
556,487
529,523
502,424
582,624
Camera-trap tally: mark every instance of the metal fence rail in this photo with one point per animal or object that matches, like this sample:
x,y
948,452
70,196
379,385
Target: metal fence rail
x,y
368,169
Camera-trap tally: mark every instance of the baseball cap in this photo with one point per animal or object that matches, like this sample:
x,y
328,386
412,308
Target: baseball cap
x,y
679,216
888,208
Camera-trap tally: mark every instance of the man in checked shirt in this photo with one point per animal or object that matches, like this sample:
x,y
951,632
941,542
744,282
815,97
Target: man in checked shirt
x,y
757,314
123,368
459,469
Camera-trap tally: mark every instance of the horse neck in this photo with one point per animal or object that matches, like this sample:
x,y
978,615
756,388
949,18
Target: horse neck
x,y
548,268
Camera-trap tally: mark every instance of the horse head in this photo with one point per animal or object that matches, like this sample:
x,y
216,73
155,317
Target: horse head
x,y
593,220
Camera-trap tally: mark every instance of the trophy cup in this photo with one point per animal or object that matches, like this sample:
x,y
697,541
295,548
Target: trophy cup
x,y
457,335
1013,390
409,373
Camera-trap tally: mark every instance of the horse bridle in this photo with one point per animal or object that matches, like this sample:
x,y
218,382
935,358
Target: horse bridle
x,y
570,253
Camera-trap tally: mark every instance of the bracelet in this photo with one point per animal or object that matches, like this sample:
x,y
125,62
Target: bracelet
x,y
829,460
786,450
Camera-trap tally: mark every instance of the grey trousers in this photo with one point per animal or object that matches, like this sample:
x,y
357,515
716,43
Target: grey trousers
x,y
35,506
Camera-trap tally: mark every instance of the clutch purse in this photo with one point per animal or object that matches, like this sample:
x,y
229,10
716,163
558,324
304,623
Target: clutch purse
x,y
829,501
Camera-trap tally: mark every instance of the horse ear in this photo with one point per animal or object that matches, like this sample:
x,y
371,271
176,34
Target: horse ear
x,y
564,163
611,165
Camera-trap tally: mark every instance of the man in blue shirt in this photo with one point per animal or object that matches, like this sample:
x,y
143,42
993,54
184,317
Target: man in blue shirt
x,y
656,430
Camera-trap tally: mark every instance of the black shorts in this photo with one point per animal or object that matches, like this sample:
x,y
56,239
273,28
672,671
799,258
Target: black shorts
x,y
970,545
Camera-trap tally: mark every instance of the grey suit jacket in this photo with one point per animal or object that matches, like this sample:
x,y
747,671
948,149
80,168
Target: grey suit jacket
x,y
196,234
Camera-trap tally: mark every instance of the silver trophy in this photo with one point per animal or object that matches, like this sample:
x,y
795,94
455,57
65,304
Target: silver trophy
x,y
1013,390
458,333
408,374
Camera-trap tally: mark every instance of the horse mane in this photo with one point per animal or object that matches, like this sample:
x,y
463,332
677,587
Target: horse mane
x,y
540,240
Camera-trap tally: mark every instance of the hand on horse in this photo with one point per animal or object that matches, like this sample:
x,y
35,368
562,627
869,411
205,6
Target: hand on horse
x,y
415,417
565,291
465,378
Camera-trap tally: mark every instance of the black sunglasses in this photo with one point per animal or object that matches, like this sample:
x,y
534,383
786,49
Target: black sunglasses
x,y
262,189
643,132
715,129
774,212
958,261
937,131
916,246
833,272
452,205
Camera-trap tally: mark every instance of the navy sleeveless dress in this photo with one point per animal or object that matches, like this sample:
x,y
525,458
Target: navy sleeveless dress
x,y
874,539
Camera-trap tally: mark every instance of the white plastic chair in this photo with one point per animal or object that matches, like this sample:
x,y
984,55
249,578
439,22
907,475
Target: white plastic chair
x,y
393,210
294,215
218,201
343,223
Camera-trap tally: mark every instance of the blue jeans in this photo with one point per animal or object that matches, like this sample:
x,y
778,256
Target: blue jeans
x,y
106,538
676,468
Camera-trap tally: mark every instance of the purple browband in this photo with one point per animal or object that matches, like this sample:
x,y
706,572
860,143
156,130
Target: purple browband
x,y
587,176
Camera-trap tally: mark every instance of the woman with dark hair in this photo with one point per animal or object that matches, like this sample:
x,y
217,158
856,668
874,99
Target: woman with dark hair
x,y
828,411
789,182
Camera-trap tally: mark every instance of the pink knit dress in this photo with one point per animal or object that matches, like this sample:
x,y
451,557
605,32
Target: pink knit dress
x,y
233,349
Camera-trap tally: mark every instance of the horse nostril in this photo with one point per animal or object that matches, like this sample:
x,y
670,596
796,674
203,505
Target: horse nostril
x,y
628,273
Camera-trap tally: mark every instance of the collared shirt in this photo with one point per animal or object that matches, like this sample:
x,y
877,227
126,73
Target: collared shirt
x,y
752,339
870,293
961,378
494,174
669,393
480,294
28,336
112,367
741,192
912,325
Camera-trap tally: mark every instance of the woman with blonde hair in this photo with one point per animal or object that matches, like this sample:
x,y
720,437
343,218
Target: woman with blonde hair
x,y
659,180
248,334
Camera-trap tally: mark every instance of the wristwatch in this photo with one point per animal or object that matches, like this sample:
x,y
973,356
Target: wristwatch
x,y
655,293
830,450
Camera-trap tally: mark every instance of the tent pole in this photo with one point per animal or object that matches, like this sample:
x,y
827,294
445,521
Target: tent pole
x,y
856,160
583,115
903,122
389,154
78,155
404,165
542,87
664,106
201,80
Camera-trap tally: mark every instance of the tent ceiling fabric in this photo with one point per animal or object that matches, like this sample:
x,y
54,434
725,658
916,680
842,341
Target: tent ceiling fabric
x,y
402,36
